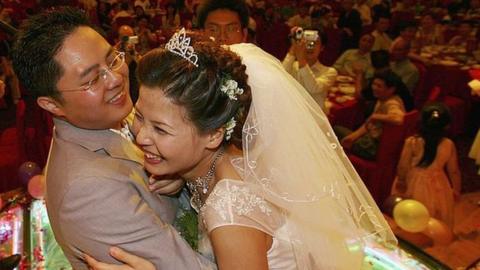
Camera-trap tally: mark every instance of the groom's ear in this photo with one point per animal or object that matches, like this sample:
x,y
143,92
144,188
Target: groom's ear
x,y
215,138
51,105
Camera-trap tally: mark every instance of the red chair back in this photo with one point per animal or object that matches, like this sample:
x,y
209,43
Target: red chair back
x,y
458,109
435,94
391,140
379,174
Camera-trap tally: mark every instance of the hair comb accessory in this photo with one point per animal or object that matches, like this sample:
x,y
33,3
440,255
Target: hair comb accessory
x,y
179,44
229,126
230,88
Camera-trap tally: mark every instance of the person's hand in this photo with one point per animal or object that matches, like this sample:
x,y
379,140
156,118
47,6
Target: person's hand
x,y
347,142
293,30
300,52
2,88
291,50
373,118
131,261
164,186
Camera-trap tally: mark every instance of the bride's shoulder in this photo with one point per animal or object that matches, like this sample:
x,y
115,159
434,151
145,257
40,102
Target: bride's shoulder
x,y
229,185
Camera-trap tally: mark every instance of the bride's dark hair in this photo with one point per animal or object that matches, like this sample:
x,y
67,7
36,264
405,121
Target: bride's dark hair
x,y
197,89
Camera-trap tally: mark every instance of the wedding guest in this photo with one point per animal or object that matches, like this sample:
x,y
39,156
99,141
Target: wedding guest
x,y
465,32
382,40
381,7
401,64
301,18
8,75
146,38
98,192
124,12
224,119
363,81
350,23
171,20
302,63
322,18
139,11
356,59
145,4
406,30
430,32
226,21
389,108
365,13
428,168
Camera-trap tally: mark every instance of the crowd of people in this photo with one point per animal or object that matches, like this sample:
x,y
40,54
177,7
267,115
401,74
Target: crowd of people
x,y
225,120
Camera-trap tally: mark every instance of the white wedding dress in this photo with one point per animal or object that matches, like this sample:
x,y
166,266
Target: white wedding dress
x,y
232,202
297,183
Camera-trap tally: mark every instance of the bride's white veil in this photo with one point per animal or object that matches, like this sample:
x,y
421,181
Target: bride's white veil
x,y
293,158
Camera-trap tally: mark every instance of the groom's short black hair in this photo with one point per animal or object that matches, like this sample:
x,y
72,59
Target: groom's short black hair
x,y
37,43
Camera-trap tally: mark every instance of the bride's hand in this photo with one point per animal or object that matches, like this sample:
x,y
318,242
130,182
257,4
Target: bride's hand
x,y
131,261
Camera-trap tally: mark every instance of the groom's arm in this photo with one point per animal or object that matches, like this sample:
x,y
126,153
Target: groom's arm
x,y
99,213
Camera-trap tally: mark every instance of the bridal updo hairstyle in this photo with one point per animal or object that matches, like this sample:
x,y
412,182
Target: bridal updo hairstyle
x,y
434,120
197,89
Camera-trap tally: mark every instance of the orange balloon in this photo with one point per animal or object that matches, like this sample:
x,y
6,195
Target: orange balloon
x,y
439,232
36,186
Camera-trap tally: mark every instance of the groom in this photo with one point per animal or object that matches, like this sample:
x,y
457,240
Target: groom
x,y
97,195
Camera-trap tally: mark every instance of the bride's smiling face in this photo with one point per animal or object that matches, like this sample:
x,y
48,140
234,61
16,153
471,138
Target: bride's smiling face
x,y
170,141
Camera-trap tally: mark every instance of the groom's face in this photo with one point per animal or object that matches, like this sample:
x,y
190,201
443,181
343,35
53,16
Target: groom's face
x,y
95,94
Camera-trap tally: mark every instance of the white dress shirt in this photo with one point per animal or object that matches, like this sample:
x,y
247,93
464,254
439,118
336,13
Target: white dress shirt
x,y
317,79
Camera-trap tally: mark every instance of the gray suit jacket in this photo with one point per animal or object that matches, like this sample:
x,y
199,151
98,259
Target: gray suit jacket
x,y
97,197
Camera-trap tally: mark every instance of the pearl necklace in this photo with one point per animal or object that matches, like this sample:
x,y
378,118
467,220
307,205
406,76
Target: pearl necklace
x,y
201,184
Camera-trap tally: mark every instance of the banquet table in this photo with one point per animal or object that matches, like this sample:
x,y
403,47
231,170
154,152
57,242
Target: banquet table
x,y
449,69
343,108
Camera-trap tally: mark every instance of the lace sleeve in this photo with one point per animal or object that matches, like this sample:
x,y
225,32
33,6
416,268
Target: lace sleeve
x,y
232,202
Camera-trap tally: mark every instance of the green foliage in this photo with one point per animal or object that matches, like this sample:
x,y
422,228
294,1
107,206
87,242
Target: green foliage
x,y
187,225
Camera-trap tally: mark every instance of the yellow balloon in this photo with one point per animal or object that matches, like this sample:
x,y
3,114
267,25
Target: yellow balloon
x,y
411,216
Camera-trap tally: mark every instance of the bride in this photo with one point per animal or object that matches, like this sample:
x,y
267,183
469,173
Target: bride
x,y
272,186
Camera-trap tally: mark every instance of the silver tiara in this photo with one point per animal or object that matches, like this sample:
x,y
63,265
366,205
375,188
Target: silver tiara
x,y
179,44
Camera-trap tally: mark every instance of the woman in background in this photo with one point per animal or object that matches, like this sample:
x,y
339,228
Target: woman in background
x,y
428,169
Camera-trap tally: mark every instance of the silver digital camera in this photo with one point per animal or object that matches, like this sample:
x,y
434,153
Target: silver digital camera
x,y
310,36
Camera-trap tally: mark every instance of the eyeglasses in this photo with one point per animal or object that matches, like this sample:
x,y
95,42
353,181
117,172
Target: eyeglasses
x,y
101,76
216,30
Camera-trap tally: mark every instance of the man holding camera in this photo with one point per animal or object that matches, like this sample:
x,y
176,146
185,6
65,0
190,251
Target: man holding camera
x,y
302,63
